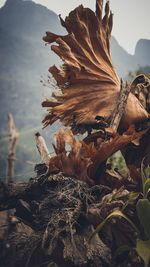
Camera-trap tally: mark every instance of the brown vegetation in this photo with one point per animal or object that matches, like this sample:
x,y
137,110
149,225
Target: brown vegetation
x,y
87,80
77,189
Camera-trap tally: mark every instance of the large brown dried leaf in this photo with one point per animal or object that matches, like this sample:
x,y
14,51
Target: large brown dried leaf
x,y
118,142
88,80
83,160
73,157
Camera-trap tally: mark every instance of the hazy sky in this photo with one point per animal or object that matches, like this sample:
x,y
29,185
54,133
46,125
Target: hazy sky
x,y
131,17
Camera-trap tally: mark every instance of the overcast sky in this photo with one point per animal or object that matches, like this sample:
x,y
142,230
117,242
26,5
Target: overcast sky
x,y
131,17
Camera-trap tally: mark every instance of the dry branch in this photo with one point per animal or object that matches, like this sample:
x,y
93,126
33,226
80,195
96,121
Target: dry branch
x,y
42,148
119,110
13,138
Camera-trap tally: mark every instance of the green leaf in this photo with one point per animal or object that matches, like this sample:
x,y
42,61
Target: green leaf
x,y
52,264
143,249
143,211
146,186
145,174
115,213
133,196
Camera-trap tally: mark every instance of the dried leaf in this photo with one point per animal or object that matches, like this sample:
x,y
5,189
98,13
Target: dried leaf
x,y
72,163
83,160
88,81
107,148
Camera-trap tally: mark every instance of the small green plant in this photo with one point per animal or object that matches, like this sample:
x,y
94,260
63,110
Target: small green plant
x,y
143,212
52,264
145,176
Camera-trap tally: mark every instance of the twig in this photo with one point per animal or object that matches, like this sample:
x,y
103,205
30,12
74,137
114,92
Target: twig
x,y
13,138
42,148
122,100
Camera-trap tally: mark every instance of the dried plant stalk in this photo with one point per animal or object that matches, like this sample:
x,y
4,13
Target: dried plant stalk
x,y
13,138
42,148
118,113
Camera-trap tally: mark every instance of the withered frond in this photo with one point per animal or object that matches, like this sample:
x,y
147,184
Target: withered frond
x,y
88,80
80,160
72,157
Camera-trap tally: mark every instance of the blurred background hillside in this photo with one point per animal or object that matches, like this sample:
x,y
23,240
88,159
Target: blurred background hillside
x,y
24,62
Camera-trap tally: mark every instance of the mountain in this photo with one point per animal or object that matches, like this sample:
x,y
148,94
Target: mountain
x,y
24,61
123,61
142,52
24,58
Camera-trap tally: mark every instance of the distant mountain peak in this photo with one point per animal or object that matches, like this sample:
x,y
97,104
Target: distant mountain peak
x,y
13,1
142,52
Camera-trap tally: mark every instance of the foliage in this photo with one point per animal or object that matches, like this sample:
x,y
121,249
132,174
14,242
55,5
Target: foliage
x,y
145,70
117,161
115,213
79,80
80,186
52,264
142,209
89,86
143,249
145,175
